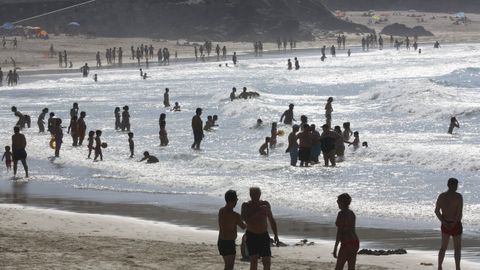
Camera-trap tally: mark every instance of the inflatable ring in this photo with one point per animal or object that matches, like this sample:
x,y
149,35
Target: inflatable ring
x,y
53,143
281,132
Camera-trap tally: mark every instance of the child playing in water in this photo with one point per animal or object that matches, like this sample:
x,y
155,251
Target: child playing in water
x,y
259,123
117,118
208,124
8,157
356,141
347,132
176,108
98,146
214,121
453,124
264,148
274,133
131,145
90,142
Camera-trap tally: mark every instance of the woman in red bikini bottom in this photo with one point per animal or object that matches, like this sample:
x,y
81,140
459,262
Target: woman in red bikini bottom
x,y
346,235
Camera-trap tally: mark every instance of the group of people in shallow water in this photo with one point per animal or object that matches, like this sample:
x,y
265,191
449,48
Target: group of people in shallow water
x,y
12,77
256,216
306,144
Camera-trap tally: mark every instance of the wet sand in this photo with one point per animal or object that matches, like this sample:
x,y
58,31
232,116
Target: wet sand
x,y
52,239
175,209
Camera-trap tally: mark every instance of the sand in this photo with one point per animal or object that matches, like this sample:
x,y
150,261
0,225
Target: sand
x,y
34,53
440,24
36,238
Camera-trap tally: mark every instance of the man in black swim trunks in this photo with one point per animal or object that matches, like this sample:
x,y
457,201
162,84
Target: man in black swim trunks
x,y
228,220
197,127
18,151
328,141
256,213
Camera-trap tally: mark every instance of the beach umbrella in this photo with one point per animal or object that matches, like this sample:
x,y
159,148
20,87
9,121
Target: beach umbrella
x,y
74,24
376,17
460,15
8,26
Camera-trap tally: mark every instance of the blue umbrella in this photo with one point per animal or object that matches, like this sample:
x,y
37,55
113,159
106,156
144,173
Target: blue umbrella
x,y
74,24
8,26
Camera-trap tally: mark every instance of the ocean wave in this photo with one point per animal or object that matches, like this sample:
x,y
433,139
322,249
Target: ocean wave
x,y
464,77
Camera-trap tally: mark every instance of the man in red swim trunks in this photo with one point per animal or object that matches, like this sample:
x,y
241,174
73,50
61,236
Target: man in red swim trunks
x,y
449,210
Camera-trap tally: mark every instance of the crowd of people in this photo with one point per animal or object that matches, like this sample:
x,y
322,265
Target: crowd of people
x,y
305,144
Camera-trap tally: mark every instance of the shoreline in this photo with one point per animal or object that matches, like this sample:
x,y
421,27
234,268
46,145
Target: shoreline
x,y
243,55
205,219
55,238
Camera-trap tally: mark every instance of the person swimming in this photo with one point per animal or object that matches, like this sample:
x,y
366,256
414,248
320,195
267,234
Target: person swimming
x,y
149,158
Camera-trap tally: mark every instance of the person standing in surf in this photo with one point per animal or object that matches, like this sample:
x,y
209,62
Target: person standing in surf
x,y
328,111
234,58
293,145
166,98
453,124
287,116
197,127
82,128
305,145
41,120
118,122
125,119
58,134
19,143
163,130
98,146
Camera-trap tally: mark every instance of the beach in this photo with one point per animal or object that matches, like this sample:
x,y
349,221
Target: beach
x,y
120,214
33,54
52,239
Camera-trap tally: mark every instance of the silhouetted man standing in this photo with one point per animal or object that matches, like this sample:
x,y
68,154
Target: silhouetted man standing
x,y
449,210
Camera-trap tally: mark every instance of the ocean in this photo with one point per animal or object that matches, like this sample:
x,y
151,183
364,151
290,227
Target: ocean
x,y
399,101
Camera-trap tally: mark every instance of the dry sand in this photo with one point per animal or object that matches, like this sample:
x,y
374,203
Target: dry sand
x,y
440,24
33,53
34,238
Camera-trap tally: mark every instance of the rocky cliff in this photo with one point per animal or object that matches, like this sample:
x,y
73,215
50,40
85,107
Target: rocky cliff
x,y
192,19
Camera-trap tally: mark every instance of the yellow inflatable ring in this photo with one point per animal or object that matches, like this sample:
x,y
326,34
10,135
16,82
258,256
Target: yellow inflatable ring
x,y
52,143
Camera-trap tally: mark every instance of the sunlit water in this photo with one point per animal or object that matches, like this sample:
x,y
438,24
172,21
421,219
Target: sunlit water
x,y
400,102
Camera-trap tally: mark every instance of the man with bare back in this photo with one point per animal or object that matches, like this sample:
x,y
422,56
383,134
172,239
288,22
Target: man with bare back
x,y
228,220
449,210
257,214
